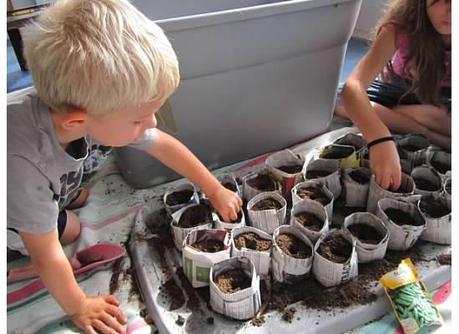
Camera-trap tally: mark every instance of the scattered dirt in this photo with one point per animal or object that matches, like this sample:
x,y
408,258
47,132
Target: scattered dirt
x,y
336,152
209,245
293,169
172,294
441,166
314,174
400,217
232,280
262,182
314,193
424,184
310,221
252,241
335,248
293,246
267,204
180,320
195,216
210,320
258,321
230,186
444,259
179,197
114,280
359,176
434,209
288,314
365,233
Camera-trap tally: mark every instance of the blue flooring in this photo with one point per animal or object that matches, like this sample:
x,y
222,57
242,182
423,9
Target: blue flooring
x,y
18,79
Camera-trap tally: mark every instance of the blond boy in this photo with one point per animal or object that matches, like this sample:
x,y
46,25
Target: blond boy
x,y
101,70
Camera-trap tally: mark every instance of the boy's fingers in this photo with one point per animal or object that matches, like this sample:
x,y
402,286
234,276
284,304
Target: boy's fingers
x,y
117,313
89,330
102,327
112,300
112,323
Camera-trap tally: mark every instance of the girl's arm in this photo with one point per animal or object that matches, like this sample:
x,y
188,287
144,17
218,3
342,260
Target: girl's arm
x,y
178,157
384,159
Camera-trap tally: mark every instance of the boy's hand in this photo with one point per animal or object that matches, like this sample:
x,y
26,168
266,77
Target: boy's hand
x,y
100,315
385,164
226,202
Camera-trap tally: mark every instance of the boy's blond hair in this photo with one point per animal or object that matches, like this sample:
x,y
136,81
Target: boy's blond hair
x,y
99,56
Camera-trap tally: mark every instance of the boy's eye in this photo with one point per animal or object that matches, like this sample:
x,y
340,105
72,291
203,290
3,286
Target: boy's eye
x,y
137,122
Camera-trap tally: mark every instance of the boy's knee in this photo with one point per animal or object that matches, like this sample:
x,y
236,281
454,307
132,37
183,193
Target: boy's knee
x,y
72,228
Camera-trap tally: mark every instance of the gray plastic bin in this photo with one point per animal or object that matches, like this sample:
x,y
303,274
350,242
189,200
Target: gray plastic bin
x,y
257,76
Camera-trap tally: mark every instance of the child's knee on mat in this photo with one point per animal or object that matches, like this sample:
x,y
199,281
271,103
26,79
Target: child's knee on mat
x,y
72,228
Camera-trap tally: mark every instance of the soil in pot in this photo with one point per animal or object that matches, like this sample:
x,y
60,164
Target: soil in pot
x,y
365,233
440,166
179,197
232,280
209,245
335,248
230,186
292,169
424,184
262,182
293,246
252,241
314,174
314,193
309,221
238,219
434,209
359,176
336,152
196,215
267,204
400,217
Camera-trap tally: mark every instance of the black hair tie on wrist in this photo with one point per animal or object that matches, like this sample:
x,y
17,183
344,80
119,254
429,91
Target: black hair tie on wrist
x,y
380,140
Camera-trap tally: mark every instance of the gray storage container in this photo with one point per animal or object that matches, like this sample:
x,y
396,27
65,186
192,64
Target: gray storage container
x,y
257,76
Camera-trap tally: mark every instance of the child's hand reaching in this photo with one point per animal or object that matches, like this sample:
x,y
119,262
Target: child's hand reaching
x,y
100,315
385,164
226,202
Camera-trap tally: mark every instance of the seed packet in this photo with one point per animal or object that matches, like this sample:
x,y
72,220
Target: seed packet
x,y
410,299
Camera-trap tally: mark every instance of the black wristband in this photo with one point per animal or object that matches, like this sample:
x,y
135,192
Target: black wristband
x,y
380,140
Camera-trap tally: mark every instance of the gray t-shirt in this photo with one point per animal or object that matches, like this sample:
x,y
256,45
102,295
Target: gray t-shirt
x,y
42,176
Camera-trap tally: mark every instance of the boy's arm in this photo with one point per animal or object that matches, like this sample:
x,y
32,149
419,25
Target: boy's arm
x,y
178,157
88,313
384,158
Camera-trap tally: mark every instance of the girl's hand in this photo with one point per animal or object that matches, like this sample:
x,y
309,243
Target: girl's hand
x,y
226,202
385,164
100,315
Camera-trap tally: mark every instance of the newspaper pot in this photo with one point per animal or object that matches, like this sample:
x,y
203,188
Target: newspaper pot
x,y
375,192
289,268
267,220
436,209
315,190
427,180
352,139
202,212
288,168
242,304
414,147
259,182
447,186
229,182
356,183
404,221
327,171
254,244
370,234
440,161
196,261
229,225
335,258
345,154
180,196
316,221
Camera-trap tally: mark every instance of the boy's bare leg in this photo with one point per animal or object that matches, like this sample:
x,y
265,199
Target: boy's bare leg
x,y
70,234
80,200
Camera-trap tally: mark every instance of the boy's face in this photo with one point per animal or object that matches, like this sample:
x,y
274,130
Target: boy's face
x,y
124,126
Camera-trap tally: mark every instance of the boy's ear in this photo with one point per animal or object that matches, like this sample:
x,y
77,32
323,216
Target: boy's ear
x,y
74,120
